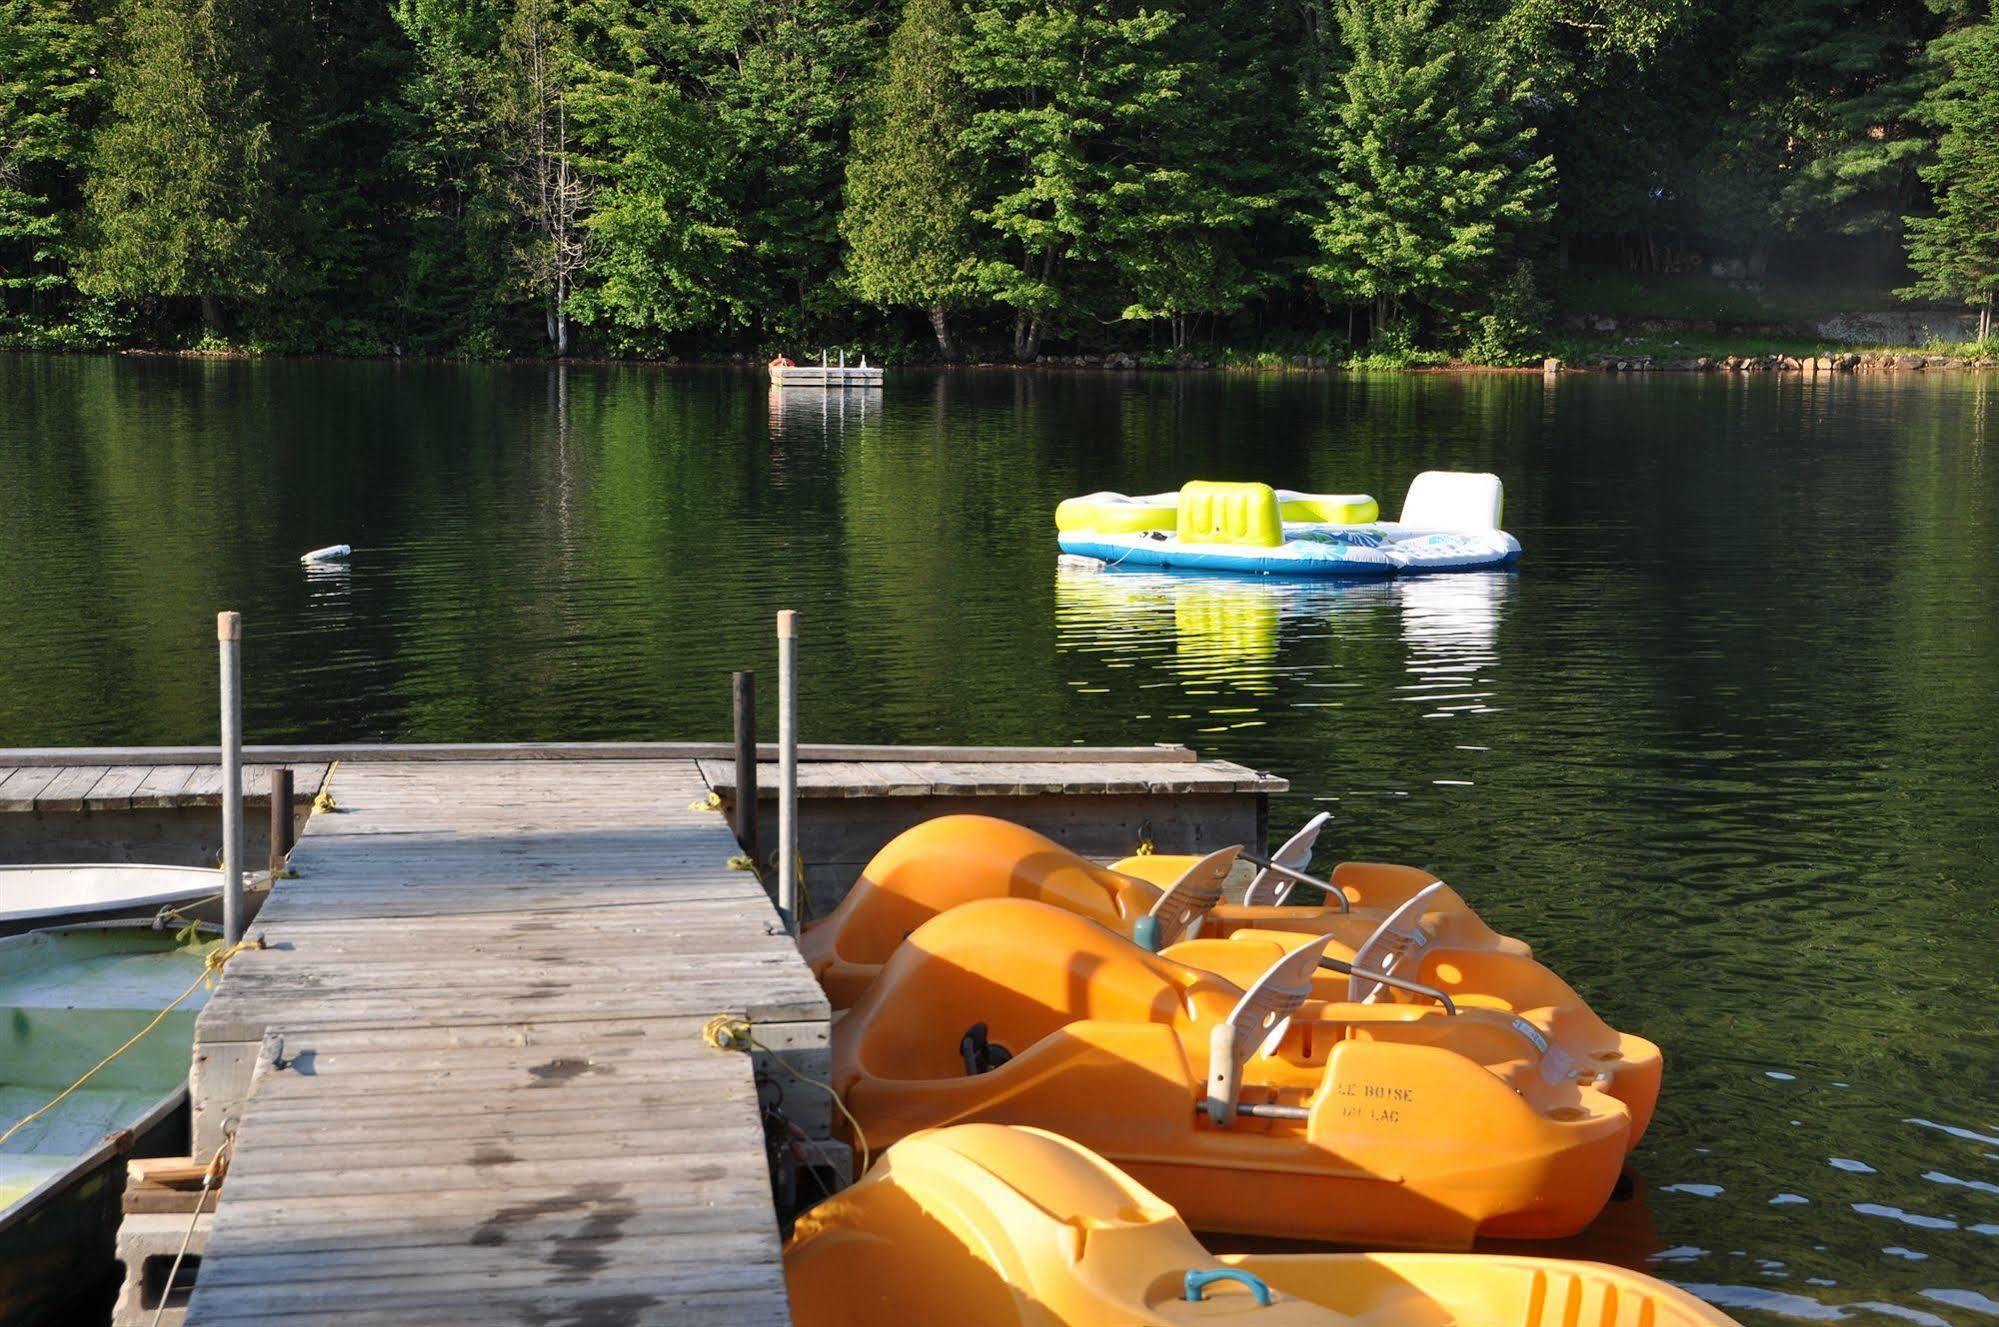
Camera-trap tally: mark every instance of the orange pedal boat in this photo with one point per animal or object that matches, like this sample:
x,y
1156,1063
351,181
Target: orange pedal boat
x,y
957,859
1259,1110
990,1226
1541,1004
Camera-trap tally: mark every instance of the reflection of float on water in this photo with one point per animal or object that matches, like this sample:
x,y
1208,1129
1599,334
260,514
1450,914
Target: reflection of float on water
x,y
1230,628
820,414
1451,626
1453,614
1221,627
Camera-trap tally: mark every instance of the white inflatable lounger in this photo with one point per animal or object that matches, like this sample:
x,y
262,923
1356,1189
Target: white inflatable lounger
x,y
1450,522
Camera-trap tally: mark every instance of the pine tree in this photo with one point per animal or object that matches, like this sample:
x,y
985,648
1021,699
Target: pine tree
x,y
907,218
1430,175
49,51
1823,95
452,289
179,173
778,80
664,254
1184,233
1065,89
1955,251
333,222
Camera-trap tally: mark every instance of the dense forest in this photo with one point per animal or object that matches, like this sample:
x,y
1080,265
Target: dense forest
x,y
1000,178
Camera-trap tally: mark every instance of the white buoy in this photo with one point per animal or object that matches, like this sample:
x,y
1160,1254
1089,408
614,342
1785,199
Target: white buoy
x,y
331,553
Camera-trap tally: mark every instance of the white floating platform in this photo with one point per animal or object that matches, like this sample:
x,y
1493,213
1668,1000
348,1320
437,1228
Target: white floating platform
x,y
823,375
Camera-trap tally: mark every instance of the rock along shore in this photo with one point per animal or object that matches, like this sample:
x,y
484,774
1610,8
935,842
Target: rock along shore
x,y
1880,362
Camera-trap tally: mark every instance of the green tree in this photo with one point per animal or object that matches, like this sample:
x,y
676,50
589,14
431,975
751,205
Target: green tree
x,y
331,227
450,284
179,172
49,51
1430,176
1955,250
778,79
907,218
1184,227
1064,88
1824,92
665,256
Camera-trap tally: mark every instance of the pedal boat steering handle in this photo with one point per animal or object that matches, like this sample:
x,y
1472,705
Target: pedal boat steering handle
x,y
1346,969
1327,887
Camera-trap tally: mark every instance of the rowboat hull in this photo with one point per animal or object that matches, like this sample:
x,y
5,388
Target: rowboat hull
x,y
36,897
69,998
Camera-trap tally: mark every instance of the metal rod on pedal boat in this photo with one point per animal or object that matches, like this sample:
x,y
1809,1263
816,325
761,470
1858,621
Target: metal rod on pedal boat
x,y
1332,891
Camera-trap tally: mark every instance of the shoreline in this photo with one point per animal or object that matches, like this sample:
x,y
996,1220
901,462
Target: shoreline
x,y
1878,361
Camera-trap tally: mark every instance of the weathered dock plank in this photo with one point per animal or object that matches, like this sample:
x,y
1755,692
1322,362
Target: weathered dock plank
x,y
23,786
82,783
70,789
1099,776
467,1069
409,752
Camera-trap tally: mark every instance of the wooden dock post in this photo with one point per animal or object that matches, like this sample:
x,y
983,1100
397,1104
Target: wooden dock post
x,y
787,767
229,638
281,818
745,706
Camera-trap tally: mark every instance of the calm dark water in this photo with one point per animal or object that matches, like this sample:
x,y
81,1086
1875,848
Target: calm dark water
x,y
1725,748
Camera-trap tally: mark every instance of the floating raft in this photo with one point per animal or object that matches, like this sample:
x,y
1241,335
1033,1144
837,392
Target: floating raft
x,y
825,374
1450,522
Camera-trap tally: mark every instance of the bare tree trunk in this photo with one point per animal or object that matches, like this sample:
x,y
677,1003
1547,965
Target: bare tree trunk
x,y
940,323
1985,319
551,192
211,316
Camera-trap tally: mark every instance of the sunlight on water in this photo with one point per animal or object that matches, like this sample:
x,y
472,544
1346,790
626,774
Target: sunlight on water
x,y
1724,748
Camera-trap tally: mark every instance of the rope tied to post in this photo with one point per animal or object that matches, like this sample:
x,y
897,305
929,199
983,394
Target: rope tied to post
x,y
726,1032
211,964
218,1166
323,801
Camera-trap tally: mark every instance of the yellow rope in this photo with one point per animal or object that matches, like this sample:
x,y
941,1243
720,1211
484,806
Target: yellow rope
x,y
324,802
218,1165
712,802
210,965
725,1032
742,862
180,913
1146,847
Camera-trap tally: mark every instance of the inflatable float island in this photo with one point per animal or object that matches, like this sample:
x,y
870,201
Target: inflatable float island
x,y
1450,522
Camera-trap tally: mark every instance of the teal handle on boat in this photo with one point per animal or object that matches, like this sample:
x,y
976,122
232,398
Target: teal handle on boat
x,y
1145,934
1198,1281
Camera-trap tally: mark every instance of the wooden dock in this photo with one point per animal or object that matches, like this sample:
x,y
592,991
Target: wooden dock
x,y
466,1077
79,784
465,1081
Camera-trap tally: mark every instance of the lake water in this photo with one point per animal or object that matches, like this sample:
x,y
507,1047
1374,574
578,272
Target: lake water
x,y
1725,748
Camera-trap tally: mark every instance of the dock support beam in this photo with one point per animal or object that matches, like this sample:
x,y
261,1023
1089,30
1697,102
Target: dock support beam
x,y
745,706
281,818
787,767
229,638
